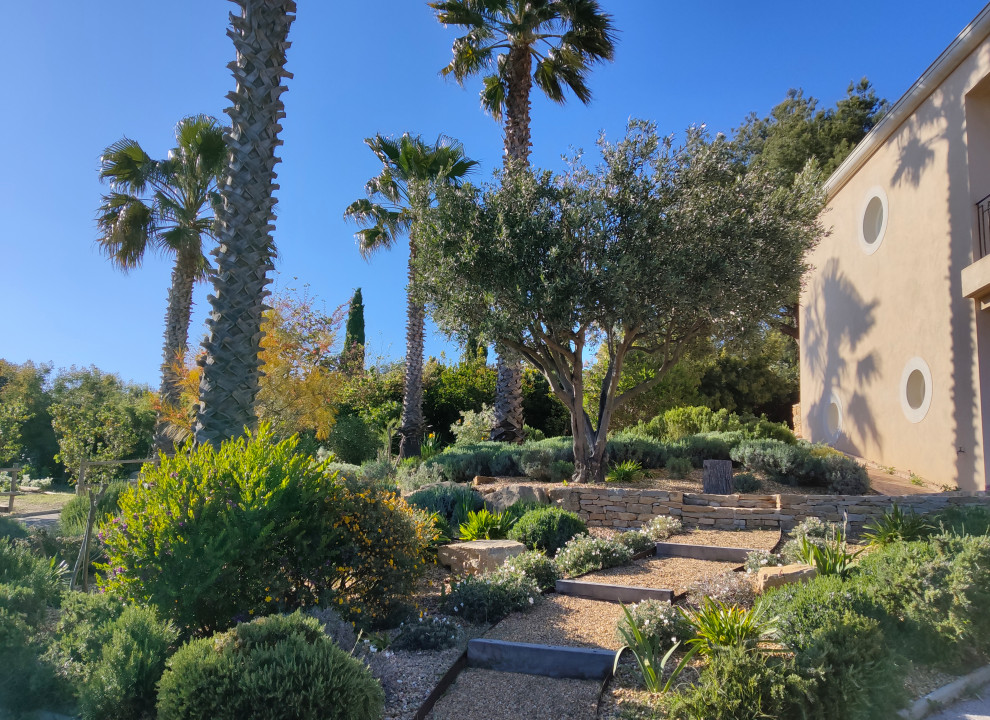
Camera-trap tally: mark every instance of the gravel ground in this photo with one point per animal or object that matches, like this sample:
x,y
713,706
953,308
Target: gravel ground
x,y
563,620
490,695
663,573
754,539
408,677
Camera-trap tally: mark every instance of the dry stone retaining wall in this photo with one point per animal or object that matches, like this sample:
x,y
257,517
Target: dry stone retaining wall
x,y
631,508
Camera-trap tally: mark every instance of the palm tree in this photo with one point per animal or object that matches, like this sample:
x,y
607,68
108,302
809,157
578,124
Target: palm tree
x,y
411,171
165,205
245,220
504,39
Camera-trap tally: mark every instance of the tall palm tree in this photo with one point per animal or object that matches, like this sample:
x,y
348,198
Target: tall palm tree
x,y
411,171
504,39
245,220
165,205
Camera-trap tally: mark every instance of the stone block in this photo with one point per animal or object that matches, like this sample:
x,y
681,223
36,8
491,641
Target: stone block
x,y
483,480
478,556
511,494
771,577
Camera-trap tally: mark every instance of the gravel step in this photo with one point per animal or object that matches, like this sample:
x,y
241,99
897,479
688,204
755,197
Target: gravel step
x,y
492,695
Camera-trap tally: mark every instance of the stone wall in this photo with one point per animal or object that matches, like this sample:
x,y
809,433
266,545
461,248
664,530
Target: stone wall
x,y
631,508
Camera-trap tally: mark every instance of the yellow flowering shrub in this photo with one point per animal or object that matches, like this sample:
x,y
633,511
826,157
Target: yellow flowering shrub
x,y
215,537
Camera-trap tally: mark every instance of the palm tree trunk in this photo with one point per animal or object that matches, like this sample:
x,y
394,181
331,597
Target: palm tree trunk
x,y
508,388
232,363
519,78
176,343
411,428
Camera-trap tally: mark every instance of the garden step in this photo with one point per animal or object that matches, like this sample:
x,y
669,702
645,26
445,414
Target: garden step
x,y
612,593
548,660
703,552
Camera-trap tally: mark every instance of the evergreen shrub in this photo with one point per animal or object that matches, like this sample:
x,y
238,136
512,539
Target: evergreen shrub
x,y
255,527
274,668
547,529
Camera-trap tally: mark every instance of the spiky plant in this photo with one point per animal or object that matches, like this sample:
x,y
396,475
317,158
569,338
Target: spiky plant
x,y
245,220
515,43
411,172
167,206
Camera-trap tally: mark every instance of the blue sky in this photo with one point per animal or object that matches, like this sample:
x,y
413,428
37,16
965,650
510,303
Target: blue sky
x,y
85,74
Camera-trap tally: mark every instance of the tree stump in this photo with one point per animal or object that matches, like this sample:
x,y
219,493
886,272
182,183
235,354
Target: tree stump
x,y
717,479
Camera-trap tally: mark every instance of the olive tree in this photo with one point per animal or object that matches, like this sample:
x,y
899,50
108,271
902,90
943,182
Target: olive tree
x,y
657,246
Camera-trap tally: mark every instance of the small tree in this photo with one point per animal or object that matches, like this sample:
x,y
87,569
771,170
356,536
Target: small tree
x,y
656,248
98,417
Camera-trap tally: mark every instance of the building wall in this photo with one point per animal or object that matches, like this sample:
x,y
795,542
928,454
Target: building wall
x,y
866,316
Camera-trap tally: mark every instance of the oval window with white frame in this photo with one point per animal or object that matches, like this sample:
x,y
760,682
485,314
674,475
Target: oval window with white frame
x,y
916,389
832,418
873,220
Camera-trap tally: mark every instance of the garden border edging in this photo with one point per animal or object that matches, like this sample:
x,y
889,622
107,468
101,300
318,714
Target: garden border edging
x,y
937,699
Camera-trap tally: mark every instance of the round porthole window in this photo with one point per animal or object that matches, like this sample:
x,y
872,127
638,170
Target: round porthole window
x,y
916,389
833,418
873,224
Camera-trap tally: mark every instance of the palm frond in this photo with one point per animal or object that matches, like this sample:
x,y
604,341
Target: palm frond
x,y
493,95
126,166
126,227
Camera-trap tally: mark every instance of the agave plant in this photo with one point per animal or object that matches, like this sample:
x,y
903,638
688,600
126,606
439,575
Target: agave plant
x,y
625,472
896,525
829,557
485,525
646,648
718,625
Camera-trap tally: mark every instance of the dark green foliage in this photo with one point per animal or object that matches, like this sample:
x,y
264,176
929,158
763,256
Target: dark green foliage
x,y
803,464
351,440
451,502
679,467
972,520
275,668
737,684
30,583
853,665
429,633
698,448
352,359
547,529
123,680
938,589
11,529
746,483
29,682
85,624
461,463
490,598
636,541
626,446
256,527
561,470
534,564
75,513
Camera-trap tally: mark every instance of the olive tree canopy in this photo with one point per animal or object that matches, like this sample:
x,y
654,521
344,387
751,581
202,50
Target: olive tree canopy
x,y
657,246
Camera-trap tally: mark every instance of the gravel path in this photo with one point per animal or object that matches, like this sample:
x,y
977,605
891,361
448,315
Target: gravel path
x,y
663,573
977,708
509,696
563,620
754,539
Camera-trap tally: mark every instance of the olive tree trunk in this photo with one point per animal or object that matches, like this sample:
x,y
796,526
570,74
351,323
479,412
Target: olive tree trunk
x,y
245,220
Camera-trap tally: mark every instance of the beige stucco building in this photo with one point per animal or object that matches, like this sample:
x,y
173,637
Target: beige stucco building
x,y
895,313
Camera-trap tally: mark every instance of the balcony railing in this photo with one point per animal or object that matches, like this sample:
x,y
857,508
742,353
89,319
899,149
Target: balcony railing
x,y
983,225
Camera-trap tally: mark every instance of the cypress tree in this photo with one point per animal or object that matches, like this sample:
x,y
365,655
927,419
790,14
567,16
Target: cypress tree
x,y
354,335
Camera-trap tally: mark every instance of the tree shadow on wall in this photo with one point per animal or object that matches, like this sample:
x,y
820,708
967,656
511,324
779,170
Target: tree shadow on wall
x,y
837,323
